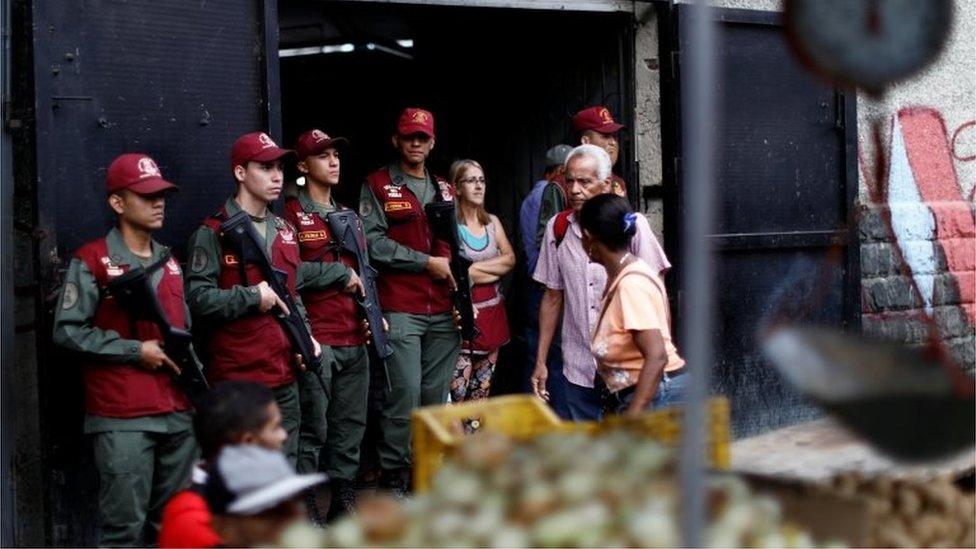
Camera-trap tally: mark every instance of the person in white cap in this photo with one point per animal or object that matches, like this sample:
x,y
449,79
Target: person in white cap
x,y
255,495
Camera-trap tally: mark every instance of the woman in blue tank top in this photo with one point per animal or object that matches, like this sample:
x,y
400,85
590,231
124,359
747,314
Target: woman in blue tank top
x,y
483,239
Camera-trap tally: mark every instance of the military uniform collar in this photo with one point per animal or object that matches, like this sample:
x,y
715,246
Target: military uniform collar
x,y
120,254
399,178
310,205
273,222
233,207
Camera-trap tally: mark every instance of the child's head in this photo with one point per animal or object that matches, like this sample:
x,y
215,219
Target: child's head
x,y
238,412
254,495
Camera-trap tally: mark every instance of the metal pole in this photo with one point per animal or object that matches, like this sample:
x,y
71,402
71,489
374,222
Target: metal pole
x,y
698,116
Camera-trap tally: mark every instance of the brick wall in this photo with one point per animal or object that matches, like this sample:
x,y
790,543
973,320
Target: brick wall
x,y
918,242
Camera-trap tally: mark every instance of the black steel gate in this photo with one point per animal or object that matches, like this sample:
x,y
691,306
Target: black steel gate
x,y
178,80
786,182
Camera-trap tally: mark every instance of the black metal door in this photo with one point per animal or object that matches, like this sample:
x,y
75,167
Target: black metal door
x,y
786,185
178,80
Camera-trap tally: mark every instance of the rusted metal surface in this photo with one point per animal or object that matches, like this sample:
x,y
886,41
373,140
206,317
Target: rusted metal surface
x,y
820,449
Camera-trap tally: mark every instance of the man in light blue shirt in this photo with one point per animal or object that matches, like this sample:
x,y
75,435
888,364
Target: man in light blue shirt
x,y
529,214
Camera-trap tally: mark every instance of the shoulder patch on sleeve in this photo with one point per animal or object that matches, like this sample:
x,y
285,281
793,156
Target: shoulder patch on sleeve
x,y
365,207
198,261
70,296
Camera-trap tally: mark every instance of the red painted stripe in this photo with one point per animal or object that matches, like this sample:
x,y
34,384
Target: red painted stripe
x,y
930,156
927,144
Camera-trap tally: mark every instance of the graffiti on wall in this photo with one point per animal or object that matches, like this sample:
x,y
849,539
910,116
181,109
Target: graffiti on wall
x,y
931,218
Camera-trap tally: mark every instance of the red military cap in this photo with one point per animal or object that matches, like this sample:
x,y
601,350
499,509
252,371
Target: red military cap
x,y
316,141
414,120
137,173
595,118
256,147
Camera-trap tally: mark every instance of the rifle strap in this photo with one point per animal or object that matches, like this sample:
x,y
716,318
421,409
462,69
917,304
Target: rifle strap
x,y
152,268
149,270
242,270
332,247
221,215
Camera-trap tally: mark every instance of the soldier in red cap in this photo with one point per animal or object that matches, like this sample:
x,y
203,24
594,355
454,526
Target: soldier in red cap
x,y
244,340
139,420
333,423
595,125
414,285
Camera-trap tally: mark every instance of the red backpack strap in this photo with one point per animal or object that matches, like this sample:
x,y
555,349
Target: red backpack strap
x,y
561,225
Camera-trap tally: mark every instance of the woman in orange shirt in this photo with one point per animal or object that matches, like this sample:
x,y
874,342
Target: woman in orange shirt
x,y
638,366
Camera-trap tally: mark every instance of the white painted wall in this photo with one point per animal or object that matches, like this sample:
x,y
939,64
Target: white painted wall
x,y
936,236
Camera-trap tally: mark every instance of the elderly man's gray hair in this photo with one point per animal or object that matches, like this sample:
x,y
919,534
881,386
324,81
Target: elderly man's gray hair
x,y
604,167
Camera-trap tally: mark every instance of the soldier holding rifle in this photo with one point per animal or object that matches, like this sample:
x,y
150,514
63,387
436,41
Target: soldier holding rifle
x,y
138,417
253,334
333,421
415,286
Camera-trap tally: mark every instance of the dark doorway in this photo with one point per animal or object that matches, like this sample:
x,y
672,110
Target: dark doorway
x,y
502,84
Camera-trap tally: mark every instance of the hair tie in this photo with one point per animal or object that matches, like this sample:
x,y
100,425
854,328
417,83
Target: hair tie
x,y
630,222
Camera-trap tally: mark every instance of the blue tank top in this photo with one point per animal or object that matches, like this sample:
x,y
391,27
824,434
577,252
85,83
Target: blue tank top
x,y
472,242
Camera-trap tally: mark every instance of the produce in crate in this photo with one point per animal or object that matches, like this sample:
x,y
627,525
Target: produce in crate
x,y
912,512
558,491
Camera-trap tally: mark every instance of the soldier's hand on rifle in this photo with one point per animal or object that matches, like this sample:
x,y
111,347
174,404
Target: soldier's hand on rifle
x,y
369,330
269,299
300,363
298,356
457,318
440,269
152,357
355,284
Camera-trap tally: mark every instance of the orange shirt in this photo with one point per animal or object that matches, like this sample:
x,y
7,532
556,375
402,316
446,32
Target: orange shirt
x,y
635,301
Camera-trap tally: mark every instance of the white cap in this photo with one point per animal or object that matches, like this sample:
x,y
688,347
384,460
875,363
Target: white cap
x,y
248,479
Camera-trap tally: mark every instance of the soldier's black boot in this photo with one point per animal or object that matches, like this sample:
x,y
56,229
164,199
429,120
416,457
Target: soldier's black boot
x,y
343,498
313,509
395,482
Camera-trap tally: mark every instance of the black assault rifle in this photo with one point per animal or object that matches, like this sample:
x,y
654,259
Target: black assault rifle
x,y
443,224
347,232
240,236
134,292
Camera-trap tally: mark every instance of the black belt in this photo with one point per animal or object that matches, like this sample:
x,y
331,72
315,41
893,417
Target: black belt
x,y
679,372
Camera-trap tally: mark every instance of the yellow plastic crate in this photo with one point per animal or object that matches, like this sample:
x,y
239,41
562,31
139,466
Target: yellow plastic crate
x,y
437,430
